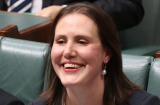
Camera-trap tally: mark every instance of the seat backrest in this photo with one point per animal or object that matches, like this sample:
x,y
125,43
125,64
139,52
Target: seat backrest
x,y
154,78
22,67
137,68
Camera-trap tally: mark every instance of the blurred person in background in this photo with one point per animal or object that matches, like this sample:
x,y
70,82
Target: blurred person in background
x,y
125,13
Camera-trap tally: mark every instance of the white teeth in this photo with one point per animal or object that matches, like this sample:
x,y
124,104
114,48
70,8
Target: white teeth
x,y
71,65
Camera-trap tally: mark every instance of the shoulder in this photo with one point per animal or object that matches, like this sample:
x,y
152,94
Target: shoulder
x,y
9,99
141,97
39,101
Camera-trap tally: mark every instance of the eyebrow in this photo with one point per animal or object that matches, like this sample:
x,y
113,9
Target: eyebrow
x,y
79,35
84,36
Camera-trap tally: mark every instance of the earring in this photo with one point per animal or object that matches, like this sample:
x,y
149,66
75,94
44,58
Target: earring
x,y
104,72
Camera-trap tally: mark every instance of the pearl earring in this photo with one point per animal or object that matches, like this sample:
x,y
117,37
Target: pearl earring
x,y
104,72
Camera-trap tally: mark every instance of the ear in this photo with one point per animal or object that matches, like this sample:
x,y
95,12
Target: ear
x,y
107,57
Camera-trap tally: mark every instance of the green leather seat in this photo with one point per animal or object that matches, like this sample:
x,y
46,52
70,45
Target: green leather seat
x,y
22,67
137,68
143,50
0,37
21,20
154,78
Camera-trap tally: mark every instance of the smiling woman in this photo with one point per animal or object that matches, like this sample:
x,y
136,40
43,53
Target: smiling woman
x,y
86,58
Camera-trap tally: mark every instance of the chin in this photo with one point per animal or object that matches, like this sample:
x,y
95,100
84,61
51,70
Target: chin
x,y
69,84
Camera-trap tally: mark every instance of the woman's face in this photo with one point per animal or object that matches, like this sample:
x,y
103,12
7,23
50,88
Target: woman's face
x,y
77,53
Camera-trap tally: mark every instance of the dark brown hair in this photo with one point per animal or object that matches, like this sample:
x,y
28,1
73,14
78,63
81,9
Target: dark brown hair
x,y
117,86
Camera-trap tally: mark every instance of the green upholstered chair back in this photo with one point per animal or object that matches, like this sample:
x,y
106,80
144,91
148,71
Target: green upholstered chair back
x,y
22,67
154,78
137,68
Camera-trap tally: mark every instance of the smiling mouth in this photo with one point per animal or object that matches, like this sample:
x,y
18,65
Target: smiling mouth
x,y
71,66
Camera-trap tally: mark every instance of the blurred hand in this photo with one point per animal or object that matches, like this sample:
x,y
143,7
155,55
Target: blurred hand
x,y
50,11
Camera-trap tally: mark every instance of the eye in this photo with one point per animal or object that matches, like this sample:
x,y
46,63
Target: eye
x,y
60,41
82,42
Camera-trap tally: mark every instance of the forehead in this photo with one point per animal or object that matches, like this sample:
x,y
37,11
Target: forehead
x,y
76,20
76,17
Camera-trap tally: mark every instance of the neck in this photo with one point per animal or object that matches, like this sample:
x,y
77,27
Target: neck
x,y
91,94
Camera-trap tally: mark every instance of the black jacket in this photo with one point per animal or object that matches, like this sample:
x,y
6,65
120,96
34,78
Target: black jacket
x,y
8,99
138,98
125,13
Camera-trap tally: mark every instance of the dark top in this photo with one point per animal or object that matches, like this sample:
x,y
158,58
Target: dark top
x,y
125,13
8,99
138,98
143,98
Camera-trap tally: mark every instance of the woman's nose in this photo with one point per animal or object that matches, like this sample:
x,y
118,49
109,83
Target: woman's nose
x,y
69,51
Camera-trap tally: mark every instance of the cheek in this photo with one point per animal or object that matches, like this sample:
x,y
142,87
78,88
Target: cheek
x,y
94,60
94,55
55,55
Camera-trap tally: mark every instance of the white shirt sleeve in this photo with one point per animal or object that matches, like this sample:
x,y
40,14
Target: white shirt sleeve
x,y
36,6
